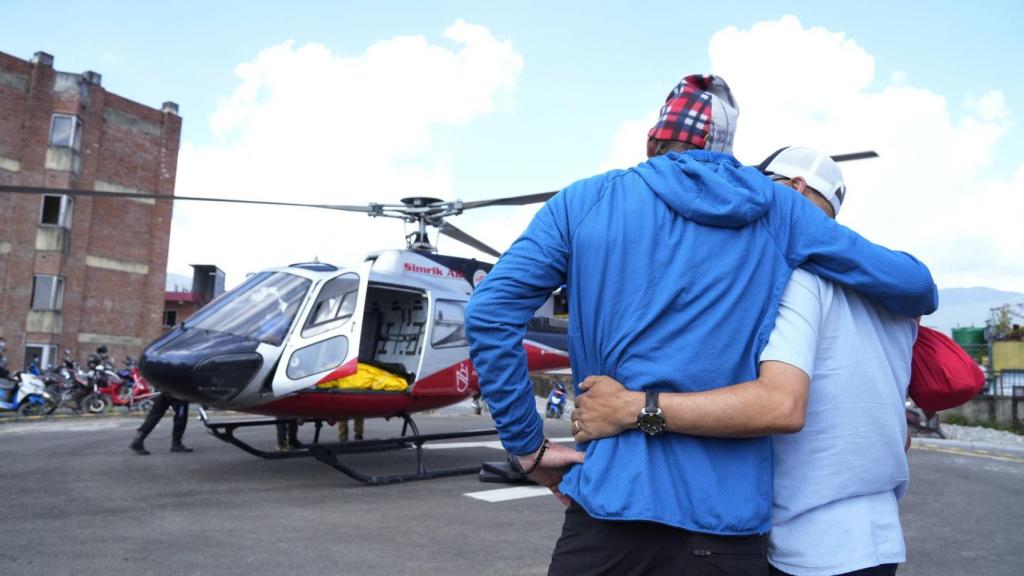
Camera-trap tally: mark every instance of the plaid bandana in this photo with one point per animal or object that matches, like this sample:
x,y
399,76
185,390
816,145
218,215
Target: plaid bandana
x,y
700,111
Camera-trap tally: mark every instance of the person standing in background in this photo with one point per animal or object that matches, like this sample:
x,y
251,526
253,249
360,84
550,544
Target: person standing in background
x,y
161,403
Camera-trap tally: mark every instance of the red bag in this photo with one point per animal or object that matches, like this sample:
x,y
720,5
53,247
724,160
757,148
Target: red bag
x,y
942,374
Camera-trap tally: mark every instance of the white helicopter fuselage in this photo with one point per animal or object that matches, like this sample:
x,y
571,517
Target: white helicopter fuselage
x,y
277,343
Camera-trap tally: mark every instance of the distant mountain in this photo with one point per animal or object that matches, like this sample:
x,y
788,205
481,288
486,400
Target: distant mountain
x,y
960,307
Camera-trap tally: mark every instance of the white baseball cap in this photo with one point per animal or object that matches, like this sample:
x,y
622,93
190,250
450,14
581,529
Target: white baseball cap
x,y
818,169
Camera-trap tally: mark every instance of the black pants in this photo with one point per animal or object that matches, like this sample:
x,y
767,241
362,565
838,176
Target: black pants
x,y
591,547
287,432
160,405
880,570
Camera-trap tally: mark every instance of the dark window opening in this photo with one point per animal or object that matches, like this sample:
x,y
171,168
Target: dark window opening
x,y
394,326
51,210
170,318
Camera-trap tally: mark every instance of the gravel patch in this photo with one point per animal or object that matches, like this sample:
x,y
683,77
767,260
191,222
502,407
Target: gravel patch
x,y
986,435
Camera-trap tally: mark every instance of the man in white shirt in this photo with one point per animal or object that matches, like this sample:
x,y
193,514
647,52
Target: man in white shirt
x,y
835,371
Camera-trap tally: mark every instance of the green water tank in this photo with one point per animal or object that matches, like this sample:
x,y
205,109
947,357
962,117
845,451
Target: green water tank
x,y
969,336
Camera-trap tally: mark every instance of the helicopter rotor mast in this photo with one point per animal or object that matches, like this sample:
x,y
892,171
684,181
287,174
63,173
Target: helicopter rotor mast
x,y
425,211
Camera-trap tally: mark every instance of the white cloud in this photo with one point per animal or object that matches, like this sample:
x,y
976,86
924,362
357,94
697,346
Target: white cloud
x,y
305,124
629,146
930,193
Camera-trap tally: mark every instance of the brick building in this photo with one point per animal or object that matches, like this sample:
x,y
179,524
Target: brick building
x,y
80,272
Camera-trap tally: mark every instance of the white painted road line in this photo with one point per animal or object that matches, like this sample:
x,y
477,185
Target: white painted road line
x,y
453,445
505,494
483,444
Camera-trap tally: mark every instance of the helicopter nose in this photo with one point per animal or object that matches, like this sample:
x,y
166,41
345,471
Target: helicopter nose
x,y
201,366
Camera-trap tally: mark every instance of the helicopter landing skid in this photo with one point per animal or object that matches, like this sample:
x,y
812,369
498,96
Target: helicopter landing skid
x,y
329,454
225,432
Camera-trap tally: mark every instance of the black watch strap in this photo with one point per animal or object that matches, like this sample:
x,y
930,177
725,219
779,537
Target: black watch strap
x,y
652,400
651,421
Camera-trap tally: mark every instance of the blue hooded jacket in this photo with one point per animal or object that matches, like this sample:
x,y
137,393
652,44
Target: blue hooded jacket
x,y
674,271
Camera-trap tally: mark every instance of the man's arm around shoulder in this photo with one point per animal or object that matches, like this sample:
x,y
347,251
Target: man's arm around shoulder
x,y
809,238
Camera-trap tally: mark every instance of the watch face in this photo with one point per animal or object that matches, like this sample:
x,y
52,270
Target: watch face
x,y
651,424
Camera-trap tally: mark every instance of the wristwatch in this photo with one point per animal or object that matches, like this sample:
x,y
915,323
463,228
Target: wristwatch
x,y
650,421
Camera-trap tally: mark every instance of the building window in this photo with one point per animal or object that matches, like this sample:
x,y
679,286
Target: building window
x,y
56,211
47,292
66,132
170,318
42,355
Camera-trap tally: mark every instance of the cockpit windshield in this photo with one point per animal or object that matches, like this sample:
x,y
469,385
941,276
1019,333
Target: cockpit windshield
x,y
262,308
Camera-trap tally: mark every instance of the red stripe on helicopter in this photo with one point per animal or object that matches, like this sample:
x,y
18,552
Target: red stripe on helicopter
x,y
332,405
541,357
462,380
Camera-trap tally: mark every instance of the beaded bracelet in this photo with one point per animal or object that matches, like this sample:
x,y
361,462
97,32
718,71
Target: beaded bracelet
x,y
536,463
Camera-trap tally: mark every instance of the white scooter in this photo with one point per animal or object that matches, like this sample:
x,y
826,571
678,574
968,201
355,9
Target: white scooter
x,y
25,393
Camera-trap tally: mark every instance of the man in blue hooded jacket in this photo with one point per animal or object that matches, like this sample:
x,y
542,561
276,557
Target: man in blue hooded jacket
x,y
839,466
674,271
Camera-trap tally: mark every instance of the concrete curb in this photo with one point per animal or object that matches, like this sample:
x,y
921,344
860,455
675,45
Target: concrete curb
x,y
18,419
982,447
105,415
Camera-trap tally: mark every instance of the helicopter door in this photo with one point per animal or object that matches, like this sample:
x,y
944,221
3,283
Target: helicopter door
x,y
324,345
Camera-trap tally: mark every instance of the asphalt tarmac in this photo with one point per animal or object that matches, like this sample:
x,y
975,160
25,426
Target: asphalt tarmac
x,y
77,501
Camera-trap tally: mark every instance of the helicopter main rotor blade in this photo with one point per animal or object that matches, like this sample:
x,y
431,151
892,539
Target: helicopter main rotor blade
x,y
453,232
855,156
144,196
510,201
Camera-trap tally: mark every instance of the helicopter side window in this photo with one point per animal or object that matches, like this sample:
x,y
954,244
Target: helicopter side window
x,y
449,324
333,306
317,358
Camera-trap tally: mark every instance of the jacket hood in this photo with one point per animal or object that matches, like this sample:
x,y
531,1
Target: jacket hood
x,y
709,188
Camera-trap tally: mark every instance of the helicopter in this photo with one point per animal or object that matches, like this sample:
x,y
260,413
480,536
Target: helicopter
x,y
286,340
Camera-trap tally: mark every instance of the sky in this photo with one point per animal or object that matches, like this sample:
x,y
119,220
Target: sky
x,y
355,102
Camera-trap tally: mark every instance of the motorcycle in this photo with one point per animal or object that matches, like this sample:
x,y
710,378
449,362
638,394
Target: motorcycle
x,y
26,394
556,401
105,383
69,384
130,390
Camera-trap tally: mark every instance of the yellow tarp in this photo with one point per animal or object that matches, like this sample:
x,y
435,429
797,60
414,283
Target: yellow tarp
x,y
368,378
